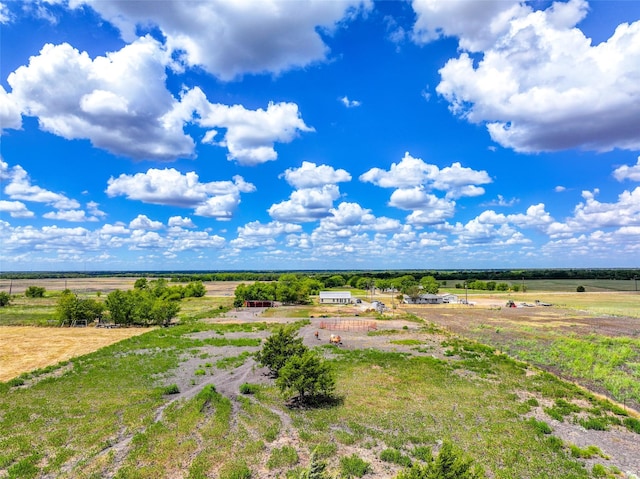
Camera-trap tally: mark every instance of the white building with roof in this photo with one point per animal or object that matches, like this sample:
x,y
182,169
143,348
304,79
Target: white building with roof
x,y
335,297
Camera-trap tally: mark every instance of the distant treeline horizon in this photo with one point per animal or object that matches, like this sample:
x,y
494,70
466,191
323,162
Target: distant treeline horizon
x,y
273,275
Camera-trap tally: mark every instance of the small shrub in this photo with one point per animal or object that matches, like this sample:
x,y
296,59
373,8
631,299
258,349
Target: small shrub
x,y
15,382
284,456
395,457
422,453
354,466
200,372
599,471
580,289
171,389
5,298
35,292
586,453
449,463
632,424
533,402
236,471
555,443
247,388
540,427
325,450
594,423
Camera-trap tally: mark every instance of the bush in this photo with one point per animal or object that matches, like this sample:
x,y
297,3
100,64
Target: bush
x,y
247,388
448,464
15,382
284,456
632,424
540,427
5,298
35,292
236,471
171,389
594,423
395,457
580,289
353,466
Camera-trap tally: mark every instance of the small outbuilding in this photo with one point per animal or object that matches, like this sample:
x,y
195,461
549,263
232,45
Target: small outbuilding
x,y
258,303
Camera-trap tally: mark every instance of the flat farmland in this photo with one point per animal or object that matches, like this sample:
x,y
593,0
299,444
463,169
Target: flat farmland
x,y
25,348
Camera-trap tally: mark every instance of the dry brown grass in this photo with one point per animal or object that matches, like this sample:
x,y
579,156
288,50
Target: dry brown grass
x,y
24,348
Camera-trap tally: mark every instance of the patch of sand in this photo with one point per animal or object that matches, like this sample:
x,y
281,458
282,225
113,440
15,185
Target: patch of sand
x,y
25,348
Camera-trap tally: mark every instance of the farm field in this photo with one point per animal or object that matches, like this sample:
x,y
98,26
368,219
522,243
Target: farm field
x,y
24,348
407,384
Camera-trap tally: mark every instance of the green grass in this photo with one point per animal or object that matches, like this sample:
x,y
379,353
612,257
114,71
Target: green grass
x,y
386,401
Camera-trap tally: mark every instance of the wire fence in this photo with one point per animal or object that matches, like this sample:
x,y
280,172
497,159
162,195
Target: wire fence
x,y
348,325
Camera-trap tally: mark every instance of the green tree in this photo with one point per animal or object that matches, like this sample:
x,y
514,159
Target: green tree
x,y
141,283
5,299
335,281
448,464
120,306
195,289
306,375
280,346
430,285
35,292
73,309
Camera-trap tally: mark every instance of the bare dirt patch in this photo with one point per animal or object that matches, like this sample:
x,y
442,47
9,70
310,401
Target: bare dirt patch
x,y
24,348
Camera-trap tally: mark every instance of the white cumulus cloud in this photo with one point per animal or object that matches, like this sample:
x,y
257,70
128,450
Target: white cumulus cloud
x,y
626,172
540,84
217,199
249,37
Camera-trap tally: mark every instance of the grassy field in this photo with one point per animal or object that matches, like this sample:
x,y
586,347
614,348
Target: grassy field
x,y
167,403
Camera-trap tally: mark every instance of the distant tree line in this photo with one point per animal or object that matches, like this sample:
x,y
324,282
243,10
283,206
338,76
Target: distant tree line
x,y
497,275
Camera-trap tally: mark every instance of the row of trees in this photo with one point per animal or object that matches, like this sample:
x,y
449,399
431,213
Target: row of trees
x,y
149,303
289,289
491,286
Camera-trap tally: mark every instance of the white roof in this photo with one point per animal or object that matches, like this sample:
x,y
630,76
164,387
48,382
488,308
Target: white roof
x,y
335,294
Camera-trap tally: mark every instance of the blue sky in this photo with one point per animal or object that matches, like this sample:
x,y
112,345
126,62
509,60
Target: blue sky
x,y
169,135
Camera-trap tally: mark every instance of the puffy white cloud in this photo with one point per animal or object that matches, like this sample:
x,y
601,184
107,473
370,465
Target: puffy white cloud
x,y
308,204
250,134
593,214
257,234
75,216
626,172
540,84
16,209
249,37
409,172
216,199
350,219
19,187
10,113
181,222
477,24
310,175
183,240
350,103
115,101
142,222
456,180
